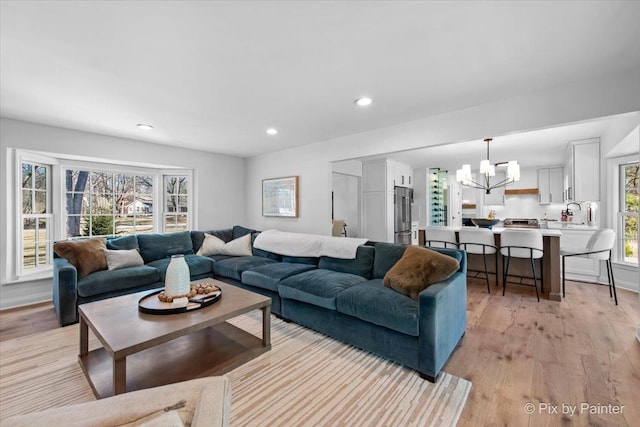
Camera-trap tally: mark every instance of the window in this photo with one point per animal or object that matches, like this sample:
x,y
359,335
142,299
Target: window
x,y
176,203
628,213
61,198
106,203
36,218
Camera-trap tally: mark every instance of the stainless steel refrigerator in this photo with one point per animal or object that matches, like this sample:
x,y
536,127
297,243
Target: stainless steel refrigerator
x,y
402,219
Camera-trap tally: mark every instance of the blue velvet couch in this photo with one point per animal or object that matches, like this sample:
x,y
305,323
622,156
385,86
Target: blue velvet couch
x,y
344,299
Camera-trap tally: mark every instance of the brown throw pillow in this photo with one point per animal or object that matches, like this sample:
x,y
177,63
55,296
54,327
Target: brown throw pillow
x,y
86,256
417,269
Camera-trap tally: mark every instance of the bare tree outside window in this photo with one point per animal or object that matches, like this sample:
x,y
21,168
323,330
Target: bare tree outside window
x,y
104,203
629,212
176,205
36,216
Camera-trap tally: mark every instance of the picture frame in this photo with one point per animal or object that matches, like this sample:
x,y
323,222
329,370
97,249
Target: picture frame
x,y
280,197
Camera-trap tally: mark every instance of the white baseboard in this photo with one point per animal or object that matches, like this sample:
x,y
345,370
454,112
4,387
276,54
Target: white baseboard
x,y
25,293
6,303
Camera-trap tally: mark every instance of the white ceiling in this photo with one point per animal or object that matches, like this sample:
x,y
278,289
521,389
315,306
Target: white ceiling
x,y
544,147
214,75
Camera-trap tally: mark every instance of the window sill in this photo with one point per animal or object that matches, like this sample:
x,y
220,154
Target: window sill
x,y
32,277
625,265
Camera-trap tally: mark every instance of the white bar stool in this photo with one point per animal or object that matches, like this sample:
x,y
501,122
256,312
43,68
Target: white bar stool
x,y
598,247
522,244
479,241
439,237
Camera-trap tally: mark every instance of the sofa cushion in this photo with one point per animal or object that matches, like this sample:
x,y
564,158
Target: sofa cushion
x,y
419,268
268,276
127,242
310,260
233,267
387,254
197,237
212,245
117,259
318,287
86,256
239,231
259,252
105,281
361,265
158,246
375,303
198,265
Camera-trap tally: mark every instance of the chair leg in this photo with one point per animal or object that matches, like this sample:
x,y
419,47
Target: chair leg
x,y
496,270
608,278
612,283
486,272
505,274
563,272
535,281
541,276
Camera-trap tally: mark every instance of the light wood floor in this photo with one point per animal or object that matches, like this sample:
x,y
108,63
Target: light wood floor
x,y
515,351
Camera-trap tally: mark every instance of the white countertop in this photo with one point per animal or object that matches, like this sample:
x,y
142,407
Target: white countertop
x,y
543,231
498,230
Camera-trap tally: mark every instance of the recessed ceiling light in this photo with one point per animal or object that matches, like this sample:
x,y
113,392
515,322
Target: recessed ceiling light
x,y
272,131
144,126
363,102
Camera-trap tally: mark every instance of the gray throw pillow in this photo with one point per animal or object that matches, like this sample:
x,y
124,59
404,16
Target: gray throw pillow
x,y
123,258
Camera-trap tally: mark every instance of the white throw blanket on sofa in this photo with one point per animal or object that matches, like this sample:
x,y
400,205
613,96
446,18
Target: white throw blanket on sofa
x,y
307,245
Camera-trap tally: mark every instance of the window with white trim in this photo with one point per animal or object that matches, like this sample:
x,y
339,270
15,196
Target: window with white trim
x,y
176,203
58,198
108,203
36,219
628,214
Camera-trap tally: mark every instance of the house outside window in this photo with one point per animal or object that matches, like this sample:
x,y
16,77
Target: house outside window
x,y
628,213
106,203
36,219
57,199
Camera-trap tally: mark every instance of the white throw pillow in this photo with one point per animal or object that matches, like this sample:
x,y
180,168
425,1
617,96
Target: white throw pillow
x,y
122,258
215,246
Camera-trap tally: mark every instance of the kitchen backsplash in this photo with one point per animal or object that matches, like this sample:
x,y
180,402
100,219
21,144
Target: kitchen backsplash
x,y
526,206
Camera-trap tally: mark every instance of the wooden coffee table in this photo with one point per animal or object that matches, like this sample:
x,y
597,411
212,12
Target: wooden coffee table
x,y
146,350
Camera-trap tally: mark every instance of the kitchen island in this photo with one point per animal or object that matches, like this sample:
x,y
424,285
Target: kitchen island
x,y
522,267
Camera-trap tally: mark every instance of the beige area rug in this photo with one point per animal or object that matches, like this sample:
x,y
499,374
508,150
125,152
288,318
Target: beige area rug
x,y
306,379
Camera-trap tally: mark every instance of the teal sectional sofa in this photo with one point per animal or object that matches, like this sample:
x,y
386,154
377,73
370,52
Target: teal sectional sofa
x,y
342,298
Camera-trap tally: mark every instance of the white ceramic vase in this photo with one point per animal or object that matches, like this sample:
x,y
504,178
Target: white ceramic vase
x,y
177,281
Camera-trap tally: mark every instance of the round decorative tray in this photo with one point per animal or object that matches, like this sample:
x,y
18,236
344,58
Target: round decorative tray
x,y
150,303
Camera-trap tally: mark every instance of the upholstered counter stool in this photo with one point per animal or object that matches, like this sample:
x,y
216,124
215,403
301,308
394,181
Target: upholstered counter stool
x,y
598,247
525,244
479,241
440,237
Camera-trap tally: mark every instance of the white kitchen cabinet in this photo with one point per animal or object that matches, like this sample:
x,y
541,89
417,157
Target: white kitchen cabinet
x,y
576,267
550,185
586,171
581,171
496,197
374,177
378,216
402,174
415,225
379,179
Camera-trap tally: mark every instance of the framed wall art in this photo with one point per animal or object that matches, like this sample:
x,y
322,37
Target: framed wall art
x,y
280,197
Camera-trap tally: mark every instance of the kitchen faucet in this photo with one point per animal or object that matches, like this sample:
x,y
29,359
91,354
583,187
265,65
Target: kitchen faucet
x,y
573,203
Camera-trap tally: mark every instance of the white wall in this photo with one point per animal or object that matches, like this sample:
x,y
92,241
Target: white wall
x,y
346,201
577,101
218,184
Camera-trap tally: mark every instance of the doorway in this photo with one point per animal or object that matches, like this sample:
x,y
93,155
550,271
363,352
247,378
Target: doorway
x,y
345,202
